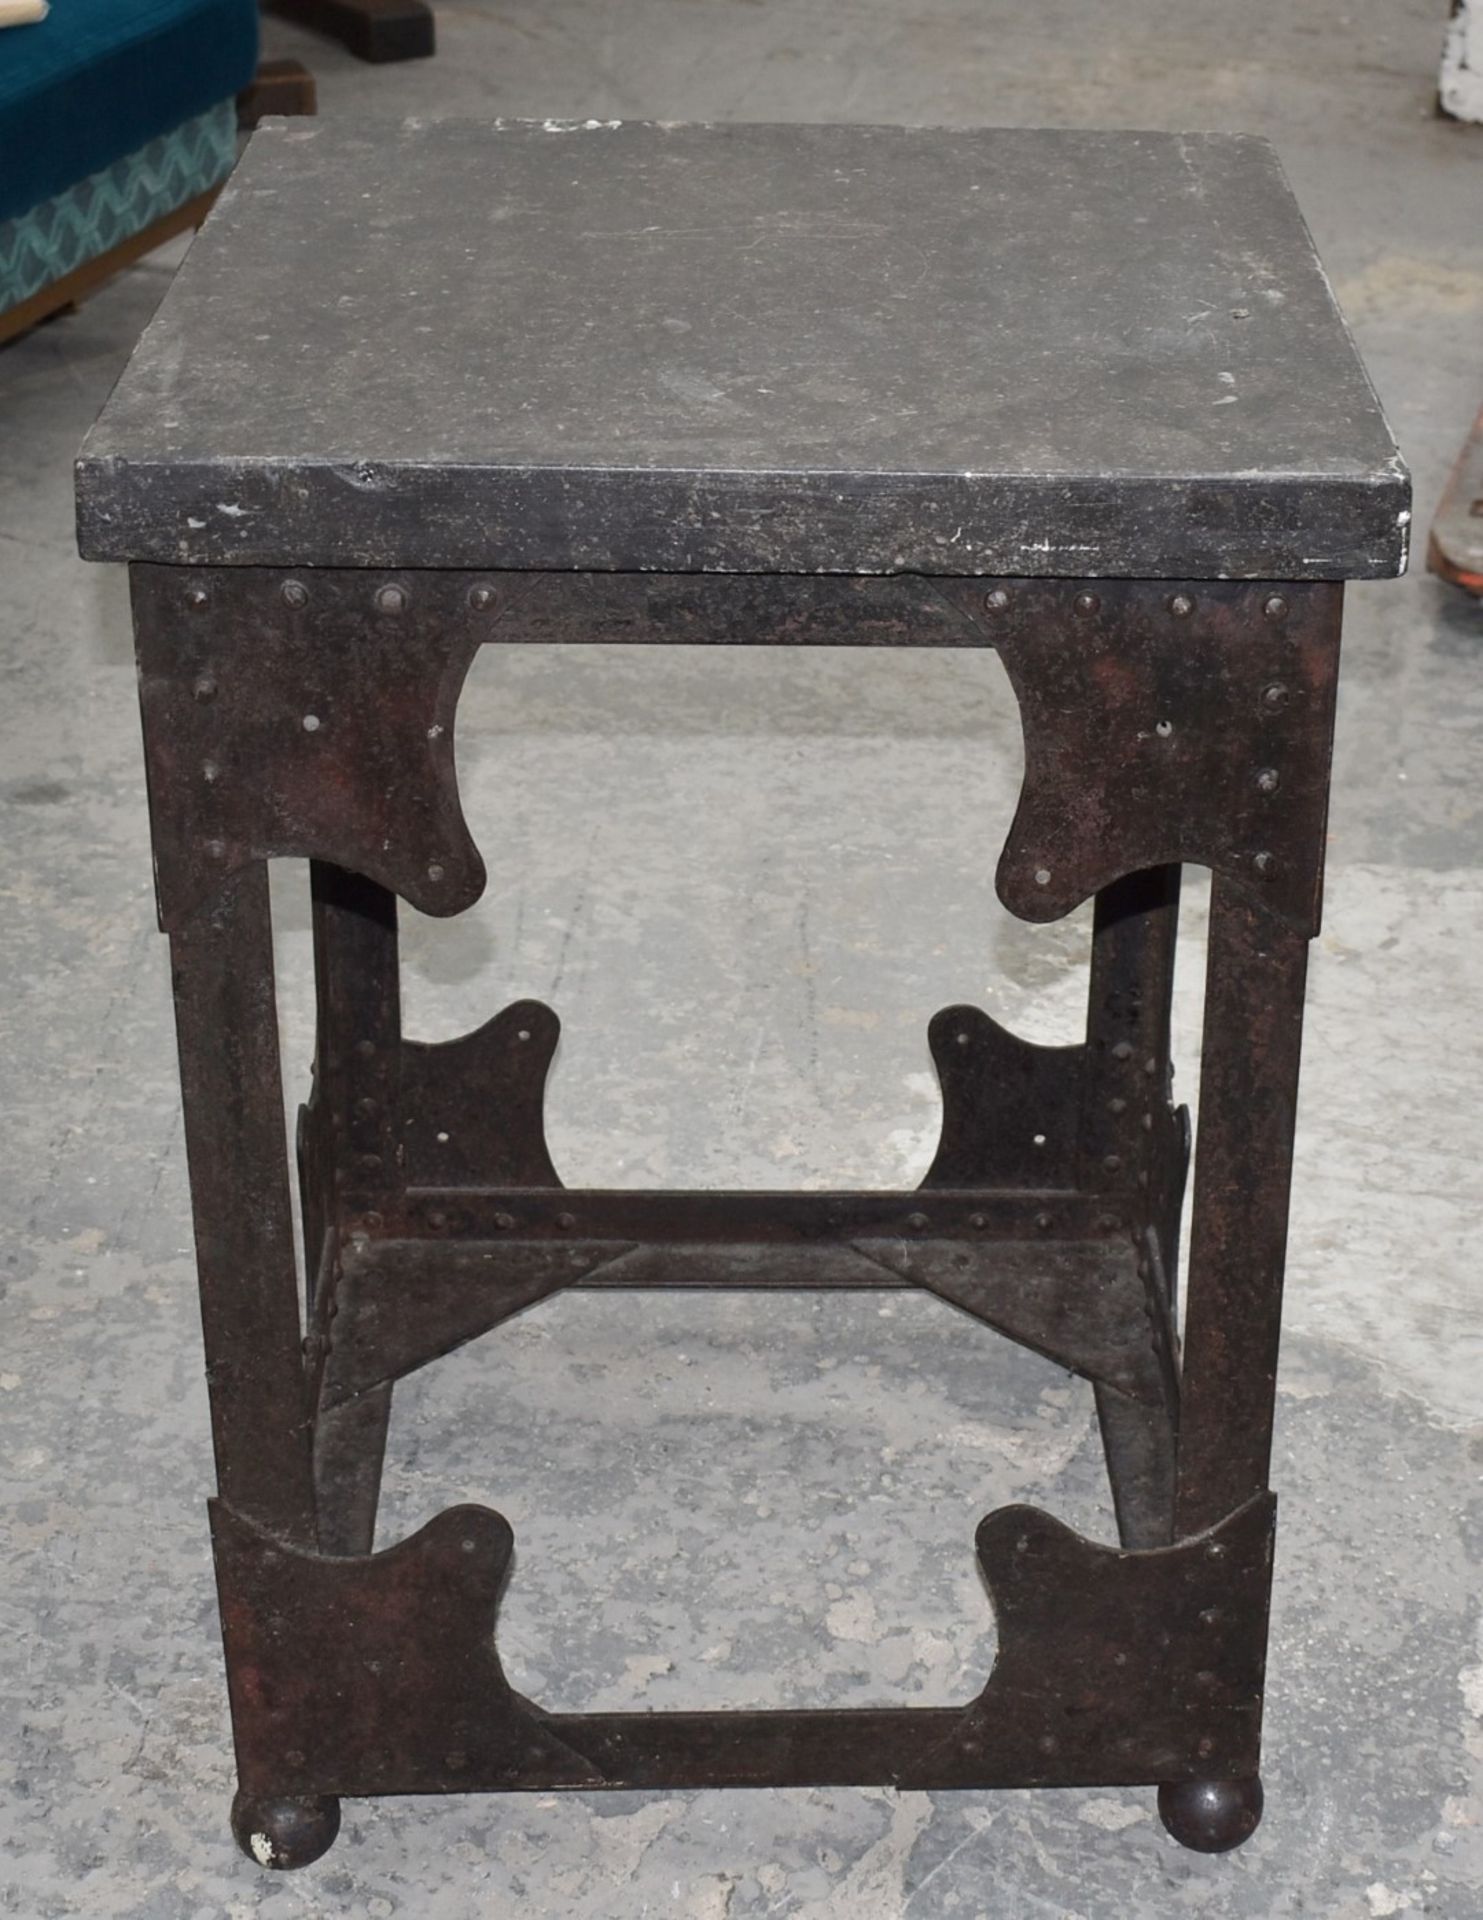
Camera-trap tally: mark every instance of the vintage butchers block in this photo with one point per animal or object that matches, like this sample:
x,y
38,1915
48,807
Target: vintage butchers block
x,y
1080,397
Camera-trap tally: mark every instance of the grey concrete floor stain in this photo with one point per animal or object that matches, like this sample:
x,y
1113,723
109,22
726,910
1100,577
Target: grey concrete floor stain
x,y
747,881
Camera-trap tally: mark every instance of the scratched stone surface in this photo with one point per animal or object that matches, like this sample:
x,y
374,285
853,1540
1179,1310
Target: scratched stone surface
x,y
612,343
747,883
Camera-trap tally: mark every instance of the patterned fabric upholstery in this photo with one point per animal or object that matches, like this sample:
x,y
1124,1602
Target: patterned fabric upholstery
x,y
62,233
101,78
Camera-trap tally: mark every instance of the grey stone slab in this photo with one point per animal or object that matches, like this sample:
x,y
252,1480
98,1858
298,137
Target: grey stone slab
x,y
843,349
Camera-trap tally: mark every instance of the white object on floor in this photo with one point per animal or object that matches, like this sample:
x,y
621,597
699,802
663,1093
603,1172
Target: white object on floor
x,y
22,13
1461,84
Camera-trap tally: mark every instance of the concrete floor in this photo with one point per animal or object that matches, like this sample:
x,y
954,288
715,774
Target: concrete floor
x,y
740,881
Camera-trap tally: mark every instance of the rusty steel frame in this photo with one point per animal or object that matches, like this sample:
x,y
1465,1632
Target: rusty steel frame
x,y
311,716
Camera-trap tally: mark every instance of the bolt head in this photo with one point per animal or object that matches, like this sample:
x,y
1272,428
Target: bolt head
x,y
1268,780
996,599
1181,606
1274,607
1265,864
1087,604
295,593
481,599
1274,697
391,598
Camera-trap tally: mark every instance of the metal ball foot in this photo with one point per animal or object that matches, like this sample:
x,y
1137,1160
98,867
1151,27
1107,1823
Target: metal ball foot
x,y
1211,1816
288,1832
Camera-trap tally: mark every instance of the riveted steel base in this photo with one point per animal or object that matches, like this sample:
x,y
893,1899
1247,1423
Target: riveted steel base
x,y
311,715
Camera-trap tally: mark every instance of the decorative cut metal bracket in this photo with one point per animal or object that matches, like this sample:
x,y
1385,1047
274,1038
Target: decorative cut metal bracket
x,y
379,1674
302,716
1162,726
313,715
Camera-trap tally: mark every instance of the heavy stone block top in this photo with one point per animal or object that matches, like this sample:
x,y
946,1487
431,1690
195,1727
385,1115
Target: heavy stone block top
x,y
750,348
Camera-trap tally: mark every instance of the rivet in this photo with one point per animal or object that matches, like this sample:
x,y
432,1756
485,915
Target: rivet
x,y
1106,1222
961,1038
370,1161
469,1546
1117,1104
481,599
456,1761
210,772
996,599
1046,1743
1205,1678
196,598
1148,1123
205,688
1119,1659
437,1220
311,723
1275,607
365,1106
1181,606
1042,876
366,1049
391,599
1268,780
1205,1747
1274,698
1112,1162
1210,1617
372,1220
566,1221
1123,1050
1087,604
216,849
1163,728
295,1756
1043,1222
1151,1066
1216,1550
435,872
917,1222
295,593
504,1221
1265,864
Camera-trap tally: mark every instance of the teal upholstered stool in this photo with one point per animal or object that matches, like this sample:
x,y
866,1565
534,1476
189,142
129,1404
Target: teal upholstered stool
x,y
116,127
